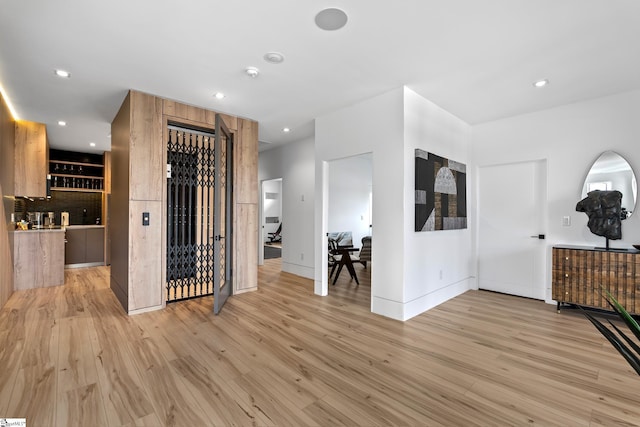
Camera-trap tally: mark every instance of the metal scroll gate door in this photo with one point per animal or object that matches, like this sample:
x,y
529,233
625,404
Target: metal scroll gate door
x,y
199,213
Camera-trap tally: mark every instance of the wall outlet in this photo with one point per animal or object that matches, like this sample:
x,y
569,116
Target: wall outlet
x,y
566,221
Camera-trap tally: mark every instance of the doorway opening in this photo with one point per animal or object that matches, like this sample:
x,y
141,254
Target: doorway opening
x,y
272,219
350,227
199,229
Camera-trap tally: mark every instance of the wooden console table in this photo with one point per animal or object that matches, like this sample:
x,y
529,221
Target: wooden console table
x,y
579,272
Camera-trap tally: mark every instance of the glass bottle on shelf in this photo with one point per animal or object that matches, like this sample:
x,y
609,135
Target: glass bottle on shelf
x,y
64,169
71,171
79,170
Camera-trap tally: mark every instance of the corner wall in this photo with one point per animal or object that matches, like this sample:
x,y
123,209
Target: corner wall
x,y
405,265
373,126
439,264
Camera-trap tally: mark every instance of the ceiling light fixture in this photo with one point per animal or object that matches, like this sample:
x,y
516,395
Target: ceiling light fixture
x,y
62,123
252,72
92,144
331,19
219,95
63,73
274,57
286,130
541,83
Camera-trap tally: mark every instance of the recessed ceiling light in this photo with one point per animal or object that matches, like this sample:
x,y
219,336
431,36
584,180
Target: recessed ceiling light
x,y
62,123
219,95
63,73
252,72
331,19
541,83
92,144
274,57
286,130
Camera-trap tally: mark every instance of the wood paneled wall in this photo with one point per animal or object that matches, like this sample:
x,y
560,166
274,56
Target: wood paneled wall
x,y
7,139
139,152
119,209
245,191
31,159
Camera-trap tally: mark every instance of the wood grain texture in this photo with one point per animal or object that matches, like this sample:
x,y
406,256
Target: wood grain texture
x,y
284,356
38,259
7,154
145,278
31,159
119,212
578,275
246,162
178,111
145,150
245,243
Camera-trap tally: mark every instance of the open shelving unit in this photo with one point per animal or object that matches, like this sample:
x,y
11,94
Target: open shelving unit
x,y
73,171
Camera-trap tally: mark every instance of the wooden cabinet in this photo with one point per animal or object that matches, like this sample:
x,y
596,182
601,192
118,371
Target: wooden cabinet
x,y
84,247
37,259
31,156
579,273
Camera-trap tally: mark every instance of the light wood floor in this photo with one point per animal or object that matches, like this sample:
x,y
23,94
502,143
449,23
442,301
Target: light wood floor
x,y
69,356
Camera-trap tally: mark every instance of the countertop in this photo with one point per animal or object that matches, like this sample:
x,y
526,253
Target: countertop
x,y
58,228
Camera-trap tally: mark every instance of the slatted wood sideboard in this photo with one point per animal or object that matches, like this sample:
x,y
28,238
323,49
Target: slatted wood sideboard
x,y
579,273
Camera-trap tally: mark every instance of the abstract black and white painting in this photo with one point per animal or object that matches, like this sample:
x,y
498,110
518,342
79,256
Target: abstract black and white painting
x,y
441,193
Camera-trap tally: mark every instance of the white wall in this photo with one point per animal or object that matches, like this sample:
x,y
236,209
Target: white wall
x,y
439,265
570,138
349,195
271,207
294,163
372,126
391,126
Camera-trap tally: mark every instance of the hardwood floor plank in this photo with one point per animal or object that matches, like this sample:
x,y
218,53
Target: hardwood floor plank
x,y
81,407
284,356
76,366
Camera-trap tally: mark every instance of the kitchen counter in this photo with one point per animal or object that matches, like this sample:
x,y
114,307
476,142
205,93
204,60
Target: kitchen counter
x,y
38,230
59,228
38,258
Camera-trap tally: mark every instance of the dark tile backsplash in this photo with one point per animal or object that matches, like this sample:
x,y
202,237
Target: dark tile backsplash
x,y
83,208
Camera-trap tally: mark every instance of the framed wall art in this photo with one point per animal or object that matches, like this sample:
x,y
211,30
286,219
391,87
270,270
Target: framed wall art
x,y
440,193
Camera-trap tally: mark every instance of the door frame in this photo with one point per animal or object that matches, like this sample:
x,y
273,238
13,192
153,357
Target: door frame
x,y
209,127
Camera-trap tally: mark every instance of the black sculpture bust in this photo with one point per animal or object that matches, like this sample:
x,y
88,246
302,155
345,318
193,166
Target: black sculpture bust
x,y
604,210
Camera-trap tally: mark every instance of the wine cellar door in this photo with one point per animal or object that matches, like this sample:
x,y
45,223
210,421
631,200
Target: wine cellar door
x,y
199,213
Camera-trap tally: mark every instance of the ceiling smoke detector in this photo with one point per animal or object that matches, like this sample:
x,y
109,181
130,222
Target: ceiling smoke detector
x,y
274,57
331,19
252,72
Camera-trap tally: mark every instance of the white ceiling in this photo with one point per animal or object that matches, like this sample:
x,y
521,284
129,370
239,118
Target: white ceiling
x,y
476,59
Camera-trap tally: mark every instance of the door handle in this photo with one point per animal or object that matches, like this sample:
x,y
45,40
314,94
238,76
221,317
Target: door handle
x,y
538,236
218,238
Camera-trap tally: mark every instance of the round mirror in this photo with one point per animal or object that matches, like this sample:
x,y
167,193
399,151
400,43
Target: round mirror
x,y
611,171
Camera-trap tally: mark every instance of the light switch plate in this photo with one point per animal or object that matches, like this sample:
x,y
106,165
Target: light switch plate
x,y
566,221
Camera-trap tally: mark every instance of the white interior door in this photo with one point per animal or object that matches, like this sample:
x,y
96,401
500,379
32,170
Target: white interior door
x,y
511,212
